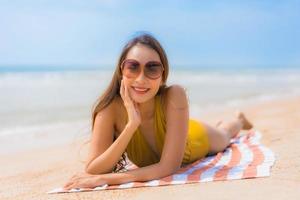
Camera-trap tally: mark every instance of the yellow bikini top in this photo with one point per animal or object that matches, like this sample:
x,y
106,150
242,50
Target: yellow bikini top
x,y
138,149
141,154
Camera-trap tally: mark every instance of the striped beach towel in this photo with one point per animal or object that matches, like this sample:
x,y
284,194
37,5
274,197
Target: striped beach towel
x,y
245,158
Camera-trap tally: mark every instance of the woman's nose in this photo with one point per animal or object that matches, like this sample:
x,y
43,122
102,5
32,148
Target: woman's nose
x,y
141,76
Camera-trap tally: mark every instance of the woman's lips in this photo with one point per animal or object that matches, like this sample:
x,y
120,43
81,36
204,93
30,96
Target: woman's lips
x,y
140,90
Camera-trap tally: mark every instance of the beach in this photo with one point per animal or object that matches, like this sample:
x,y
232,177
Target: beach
x,y
30,174
60,61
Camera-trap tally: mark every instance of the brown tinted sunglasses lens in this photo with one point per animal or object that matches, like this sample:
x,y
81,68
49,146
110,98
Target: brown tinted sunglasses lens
x,y
130,69
153,70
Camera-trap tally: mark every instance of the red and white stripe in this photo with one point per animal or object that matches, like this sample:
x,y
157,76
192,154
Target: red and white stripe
x,y
245,158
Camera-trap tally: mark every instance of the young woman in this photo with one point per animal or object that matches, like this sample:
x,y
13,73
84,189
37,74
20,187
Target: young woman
x,y
138,114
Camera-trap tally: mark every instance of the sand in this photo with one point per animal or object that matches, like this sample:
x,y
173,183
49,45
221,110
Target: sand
x,y
30,174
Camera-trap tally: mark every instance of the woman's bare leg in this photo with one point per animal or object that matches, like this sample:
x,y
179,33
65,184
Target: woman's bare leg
x,y
220,136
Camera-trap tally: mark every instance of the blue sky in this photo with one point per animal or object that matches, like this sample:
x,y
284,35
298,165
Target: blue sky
x,y
193,33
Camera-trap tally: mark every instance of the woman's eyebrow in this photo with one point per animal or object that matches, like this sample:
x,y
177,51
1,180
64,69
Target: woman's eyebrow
x,y
153,61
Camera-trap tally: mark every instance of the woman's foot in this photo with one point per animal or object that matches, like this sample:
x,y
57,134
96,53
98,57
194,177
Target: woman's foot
x,y
245,122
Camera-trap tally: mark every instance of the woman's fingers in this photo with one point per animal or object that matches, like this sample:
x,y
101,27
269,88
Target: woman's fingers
x,y
77,184
131,105
73,179
74,176
67,185
79,180
126,92
127,98
71,186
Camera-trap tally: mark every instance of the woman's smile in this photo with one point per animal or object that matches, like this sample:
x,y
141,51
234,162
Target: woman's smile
x,y
140,90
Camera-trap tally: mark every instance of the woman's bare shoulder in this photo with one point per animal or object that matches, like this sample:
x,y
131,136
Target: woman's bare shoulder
x,y
119,111
113,114
175,95
112,109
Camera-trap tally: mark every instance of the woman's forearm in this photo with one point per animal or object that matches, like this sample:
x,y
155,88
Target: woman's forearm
x,y
108,159
147,173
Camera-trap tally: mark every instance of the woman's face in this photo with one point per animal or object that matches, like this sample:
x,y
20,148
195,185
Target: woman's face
x,y
141,88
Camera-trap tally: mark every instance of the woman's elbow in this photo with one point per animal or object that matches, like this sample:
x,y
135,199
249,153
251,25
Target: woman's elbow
x,y
167,170
89,170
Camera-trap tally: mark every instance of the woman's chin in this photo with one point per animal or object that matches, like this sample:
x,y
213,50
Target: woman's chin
x,y
140,99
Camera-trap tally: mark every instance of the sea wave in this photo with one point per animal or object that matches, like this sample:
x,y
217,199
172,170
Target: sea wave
x,y
34,98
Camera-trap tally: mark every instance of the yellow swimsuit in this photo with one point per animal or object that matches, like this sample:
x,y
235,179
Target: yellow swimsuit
x,y
141,154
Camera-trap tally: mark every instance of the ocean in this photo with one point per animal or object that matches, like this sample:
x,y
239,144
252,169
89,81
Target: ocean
x,y
45,107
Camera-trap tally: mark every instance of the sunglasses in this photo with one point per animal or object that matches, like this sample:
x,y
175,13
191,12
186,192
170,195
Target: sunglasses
x,y
132,68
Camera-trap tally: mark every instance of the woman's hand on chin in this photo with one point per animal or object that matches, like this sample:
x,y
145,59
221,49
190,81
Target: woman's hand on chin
x,y
84,180
134,116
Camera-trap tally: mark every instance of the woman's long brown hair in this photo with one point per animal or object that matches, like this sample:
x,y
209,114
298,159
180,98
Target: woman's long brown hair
x,y
113,90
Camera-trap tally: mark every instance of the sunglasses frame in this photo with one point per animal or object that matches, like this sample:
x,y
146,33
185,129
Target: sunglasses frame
x,y
140,68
